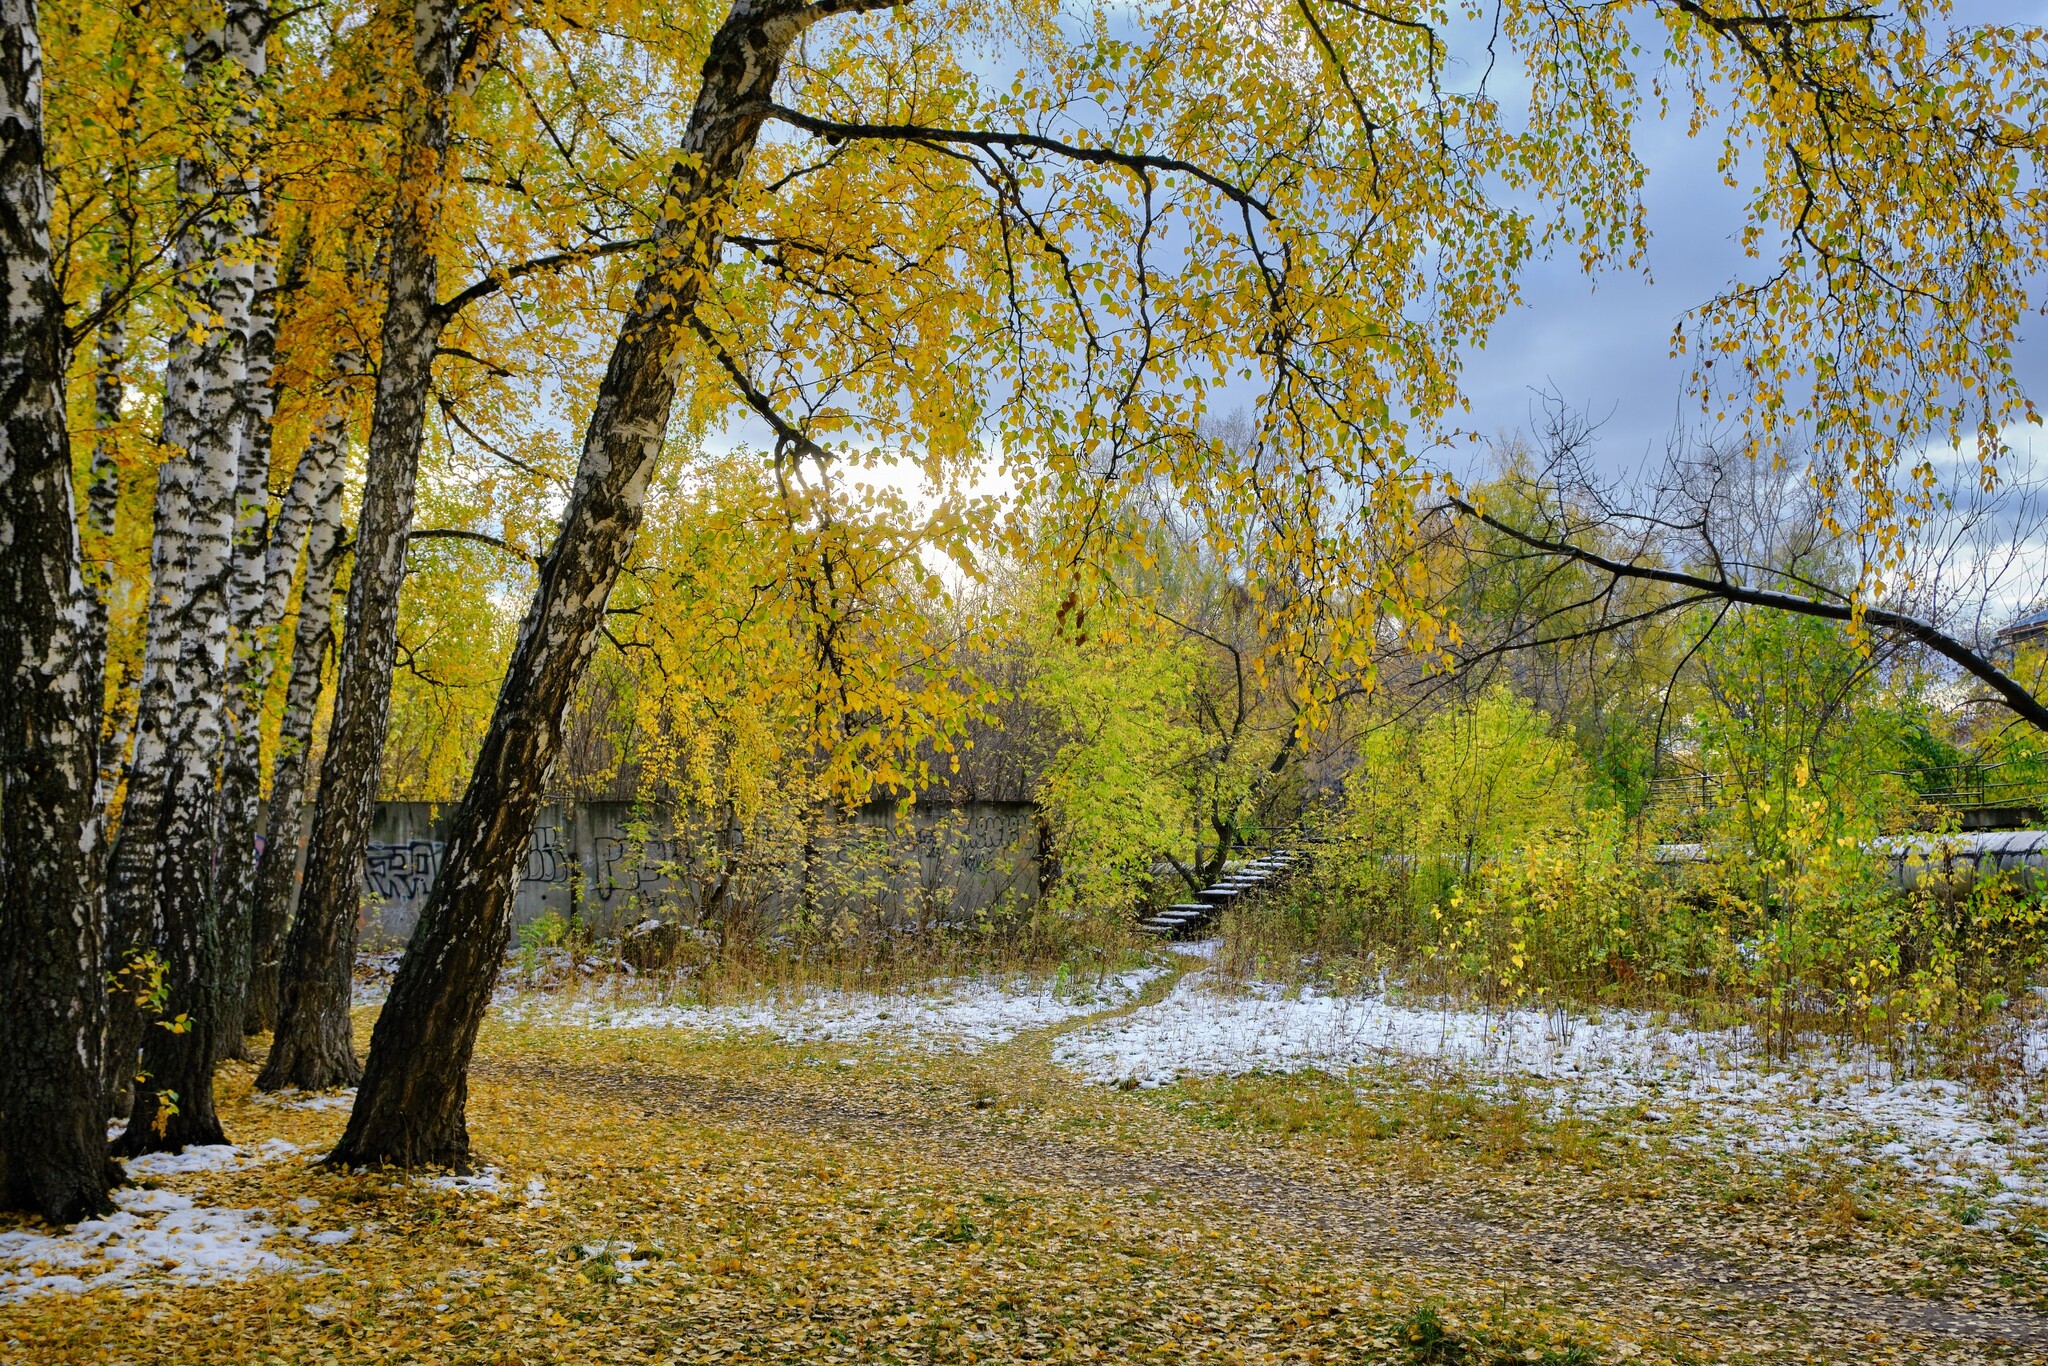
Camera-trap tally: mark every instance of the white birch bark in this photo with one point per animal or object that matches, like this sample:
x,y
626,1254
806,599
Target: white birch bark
x,y
262,556
53,1149
320,470
166,862
103,485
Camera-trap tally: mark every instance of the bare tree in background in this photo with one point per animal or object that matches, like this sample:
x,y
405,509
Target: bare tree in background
x,y
1717,529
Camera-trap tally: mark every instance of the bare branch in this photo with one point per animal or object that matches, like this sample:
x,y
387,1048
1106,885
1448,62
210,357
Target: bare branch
x,y
1139,163
2010,690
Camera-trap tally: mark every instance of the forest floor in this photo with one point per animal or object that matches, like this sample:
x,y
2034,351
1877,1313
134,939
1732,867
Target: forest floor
x,y
1002,1171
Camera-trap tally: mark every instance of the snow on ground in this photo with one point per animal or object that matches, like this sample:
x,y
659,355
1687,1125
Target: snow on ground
x,y
153,1235
1940,1130
162,1236
211,1157
957,1015
291,1098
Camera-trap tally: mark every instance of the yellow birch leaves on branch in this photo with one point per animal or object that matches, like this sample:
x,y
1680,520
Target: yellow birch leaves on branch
x,y
1054,244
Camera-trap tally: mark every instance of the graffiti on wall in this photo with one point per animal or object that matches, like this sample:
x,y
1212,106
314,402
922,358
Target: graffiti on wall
x,y
633,866
405,871
599,860
993,836
401,872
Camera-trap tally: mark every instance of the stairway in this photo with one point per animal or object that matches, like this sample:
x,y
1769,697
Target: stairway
x,y
1186,919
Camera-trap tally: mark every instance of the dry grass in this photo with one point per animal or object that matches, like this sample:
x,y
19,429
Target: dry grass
x,y
682,965
782,1207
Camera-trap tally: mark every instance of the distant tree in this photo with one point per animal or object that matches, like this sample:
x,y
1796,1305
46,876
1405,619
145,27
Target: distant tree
x,y
1725,532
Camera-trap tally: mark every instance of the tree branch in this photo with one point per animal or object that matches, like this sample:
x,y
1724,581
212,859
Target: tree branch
x,y
1136,162
2009,689
454,534
785,431
503,276
489,365
480,537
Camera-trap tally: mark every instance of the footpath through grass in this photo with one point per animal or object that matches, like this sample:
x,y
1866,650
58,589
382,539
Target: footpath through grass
x,y
662,1196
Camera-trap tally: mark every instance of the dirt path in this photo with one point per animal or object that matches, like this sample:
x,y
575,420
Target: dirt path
x,y
1418,1226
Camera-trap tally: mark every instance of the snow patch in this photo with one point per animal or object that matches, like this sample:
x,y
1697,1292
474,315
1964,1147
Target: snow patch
x,y
291,1098
621,1256
958,1016
1941,1130
332,1237
487,1181
210,1157
153,1235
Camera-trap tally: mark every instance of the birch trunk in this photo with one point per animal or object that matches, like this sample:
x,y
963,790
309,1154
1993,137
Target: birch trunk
x,y
53,1136
102,499
410,1109
263,555
277,867
166,860
312,1049
131,893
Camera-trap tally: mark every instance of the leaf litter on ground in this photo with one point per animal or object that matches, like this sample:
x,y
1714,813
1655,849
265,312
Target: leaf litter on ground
x,y
672,1194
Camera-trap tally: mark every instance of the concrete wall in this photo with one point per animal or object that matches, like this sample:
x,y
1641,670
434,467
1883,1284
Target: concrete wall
x,y
613,864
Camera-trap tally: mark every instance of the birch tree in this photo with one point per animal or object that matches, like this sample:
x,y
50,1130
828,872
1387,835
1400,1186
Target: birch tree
x,y
1293,198
165,893
53,1137
276,883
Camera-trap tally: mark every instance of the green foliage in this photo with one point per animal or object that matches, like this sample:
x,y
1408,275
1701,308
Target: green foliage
x,y
1793,707
1115,789
1468,852
547,931
1467,786
1172,724
1428,1342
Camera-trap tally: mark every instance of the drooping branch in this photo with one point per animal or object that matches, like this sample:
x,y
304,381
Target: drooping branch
x,y
1139,163
2010,690
498,279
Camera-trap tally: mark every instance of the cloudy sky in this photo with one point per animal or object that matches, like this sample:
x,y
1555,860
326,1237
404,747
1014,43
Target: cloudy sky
x,y
1603,345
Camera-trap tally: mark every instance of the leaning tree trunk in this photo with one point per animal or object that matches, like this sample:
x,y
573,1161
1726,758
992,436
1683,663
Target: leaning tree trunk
x,y
277,869
411,1107
53,1134
166,857
312,1048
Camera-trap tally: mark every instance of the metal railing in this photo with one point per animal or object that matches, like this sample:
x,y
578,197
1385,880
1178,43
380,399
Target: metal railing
x,y
1962,787
1979,787
1688,792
